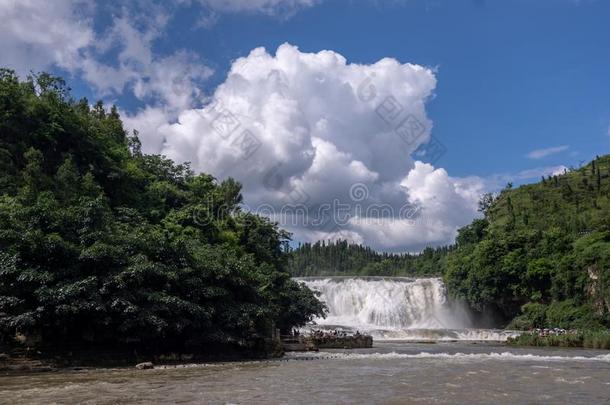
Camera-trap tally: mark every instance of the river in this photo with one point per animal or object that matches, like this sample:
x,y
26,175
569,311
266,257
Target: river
x,y
390,373
459,364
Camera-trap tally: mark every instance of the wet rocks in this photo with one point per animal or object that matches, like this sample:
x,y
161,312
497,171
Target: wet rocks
x,y
357,341
145,366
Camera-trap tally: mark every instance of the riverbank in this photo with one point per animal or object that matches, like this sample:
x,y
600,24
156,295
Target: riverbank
x,y
29,365
319,339
583,339
30,360
358,341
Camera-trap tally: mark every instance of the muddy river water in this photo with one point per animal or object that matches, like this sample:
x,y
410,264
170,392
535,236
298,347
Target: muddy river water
x,y
390,373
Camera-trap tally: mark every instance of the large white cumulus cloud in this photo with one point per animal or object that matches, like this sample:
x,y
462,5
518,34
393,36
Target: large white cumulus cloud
x,y
444,204
34,34
299,127
293,127
40,35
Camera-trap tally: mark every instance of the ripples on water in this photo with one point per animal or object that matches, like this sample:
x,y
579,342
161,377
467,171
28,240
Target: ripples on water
x,y
392,373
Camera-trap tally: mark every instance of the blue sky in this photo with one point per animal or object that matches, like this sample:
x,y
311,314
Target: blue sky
x,y
520,86
513,76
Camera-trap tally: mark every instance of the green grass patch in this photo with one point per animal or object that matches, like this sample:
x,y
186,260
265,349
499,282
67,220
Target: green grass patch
x,y
586,339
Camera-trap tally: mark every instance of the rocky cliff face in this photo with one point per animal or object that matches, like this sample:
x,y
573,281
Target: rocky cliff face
x,y
598,290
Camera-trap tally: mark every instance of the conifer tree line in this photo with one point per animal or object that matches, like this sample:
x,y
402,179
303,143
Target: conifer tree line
x,y
340,257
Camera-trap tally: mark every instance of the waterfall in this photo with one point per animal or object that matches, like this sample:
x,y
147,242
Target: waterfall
x,y
395,308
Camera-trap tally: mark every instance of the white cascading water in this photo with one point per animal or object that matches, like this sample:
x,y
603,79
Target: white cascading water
x,y
396,308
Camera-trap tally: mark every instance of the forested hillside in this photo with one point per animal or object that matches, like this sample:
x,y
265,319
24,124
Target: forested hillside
x,y
336,258
542,250
101,245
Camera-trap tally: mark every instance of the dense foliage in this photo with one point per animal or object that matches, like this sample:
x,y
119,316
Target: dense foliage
x,y
588,339
336,258
542,252
103,245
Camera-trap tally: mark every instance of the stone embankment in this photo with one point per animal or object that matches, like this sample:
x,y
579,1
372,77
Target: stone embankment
x,y
344,342
319,340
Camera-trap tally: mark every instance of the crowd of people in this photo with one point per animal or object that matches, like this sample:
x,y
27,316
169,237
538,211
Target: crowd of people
x,y
327,334
543,332
320,334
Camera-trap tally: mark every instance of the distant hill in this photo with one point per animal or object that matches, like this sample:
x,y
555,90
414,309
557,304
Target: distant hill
x,y
542,251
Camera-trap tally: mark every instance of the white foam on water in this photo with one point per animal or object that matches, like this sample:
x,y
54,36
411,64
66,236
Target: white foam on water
x,y
507,356
444,335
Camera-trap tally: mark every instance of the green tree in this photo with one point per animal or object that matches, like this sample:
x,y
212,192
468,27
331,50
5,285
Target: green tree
x,y
102,245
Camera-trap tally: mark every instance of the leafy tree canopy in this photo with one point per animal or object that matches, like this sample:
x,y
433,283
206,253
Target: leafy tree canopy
x,y
101,244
